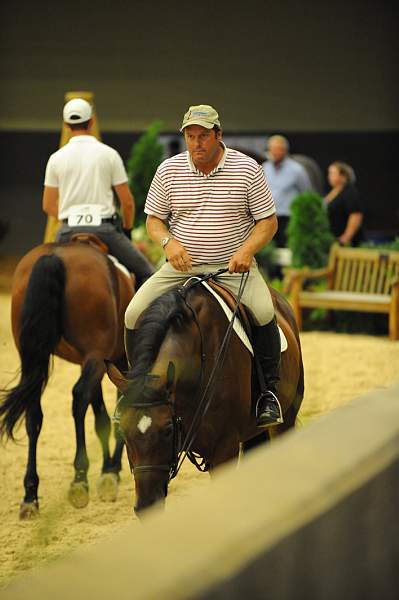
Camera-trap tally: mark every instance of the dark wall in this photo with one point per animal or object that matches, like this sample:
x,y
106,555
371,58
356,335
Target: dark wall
x,y
287,65
372,156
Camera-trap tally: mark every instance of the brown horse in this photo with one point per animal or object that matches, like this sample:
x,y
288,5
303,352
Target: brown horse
x,y
187,394
69,300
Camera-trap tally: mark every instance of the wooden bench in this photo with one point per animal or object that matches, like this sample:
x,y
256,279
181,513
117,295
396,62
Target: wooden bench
x,y
358,279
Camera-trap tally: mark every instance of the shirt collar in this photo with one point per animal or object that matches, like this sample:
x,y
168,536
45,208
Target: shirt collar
x,y
82,138
218,167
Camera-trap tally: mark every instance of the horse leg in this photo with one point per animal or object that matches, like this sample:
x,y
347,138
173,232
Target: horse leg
x,y
109,481
119,442
107,485
259,440
117,455
82,392
34,418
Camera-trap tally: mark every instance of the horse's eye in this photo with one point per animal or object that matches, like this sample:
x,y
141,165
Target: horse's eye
x,y
167,432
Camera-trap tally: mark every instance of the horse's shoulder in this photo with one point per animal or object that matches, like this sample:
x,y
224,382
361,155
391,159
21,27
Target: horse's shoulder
x,y
201,299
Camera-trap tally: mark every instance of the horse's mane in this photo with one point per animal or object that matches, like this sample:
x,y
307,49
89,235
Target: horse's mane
x,y
153,326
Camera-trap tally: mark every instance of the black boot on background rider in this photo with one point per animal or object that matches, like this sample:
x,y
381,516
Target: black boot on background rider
x,y
267,347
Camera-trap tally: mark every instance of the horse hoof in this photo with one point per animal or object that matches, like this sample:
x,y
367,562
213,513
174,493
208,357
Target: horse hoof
x,y
29,510
107,487
78,494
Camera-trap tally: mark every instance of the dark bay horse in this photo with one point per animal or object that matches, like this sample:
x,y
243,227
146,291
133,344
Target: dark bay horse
x,y
176,348
67,299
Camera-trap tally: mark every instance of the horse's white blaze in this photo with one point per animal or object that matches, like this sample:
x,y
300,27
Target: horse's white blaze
x,y
144,423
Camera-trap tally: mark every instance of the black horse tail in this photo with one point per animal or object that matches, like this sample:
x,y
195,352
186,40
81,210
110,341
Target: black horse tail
x,y
40,331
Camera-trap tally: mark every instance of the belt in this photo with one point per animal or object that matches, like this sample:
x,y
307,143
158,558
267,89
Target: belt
x,y
106,220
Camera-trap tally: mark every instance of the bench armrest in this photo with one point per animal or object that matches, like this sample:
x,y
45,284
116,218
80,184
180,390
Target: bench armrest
x,y
295,278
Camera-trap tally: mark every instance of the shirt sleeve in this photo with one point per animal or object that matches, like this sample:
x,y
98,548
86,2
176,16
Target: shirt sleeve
x,y
119,174
157,202
51,177
304,183
353,202
260,199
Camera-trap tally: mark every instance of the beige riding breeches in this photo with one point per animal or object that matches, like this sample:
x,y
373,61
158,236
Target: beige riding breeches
x,y
256,294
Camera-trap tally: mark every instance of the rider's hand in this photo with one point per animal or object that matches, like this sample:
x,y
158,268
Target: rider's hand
x,y
178,256
240,262
128,232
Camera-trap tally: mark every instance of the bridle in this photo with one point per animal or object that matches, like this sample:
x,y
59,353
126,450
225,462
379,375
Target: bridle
x,y
176,442
182,448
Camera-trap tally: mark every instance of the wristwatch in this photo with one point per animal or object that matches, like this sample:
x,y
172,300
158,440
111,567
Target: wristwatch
x,y
165,240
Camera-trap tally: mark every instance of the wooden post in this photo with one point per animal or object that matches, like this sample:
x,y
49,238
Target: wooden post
x,y
53,224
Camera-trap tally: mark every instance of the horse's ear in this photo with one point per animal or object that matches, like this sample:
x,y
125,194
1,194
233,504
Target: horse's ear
x,y
116,376
170,376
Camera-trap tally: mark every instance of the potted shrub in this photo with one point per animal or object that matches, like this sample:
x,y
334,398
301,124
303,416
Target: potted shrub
x,y
146,155
308,234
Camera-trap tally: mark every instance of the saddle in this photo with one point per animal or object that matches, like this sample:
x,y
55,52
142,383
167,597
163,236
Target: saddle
x,y
245,316
91,239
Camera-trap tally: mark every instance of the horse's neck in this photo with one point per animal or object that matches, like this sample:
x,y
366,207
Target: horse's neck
x,y
182,352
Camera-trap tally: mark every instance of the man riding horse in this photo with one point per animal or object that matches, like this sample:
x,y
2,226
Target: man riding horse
x,y
80,181
211,208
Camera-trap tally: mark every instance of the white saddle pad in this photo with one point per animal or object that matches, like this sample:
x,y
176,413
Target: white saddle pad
x,y
237,326
119,265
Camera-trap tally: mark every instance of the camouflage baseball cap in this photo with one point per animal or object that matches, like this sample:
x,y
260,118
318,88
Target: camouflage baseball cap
x,y
201,114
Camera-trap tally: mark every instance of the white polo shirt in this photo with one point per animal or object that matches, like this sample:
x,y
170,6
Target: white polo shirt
x,y
211,215
84,171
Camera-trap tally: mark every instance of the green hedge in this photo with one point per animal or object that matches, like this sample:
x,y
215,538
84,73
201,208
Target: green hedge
x,y
308,233
146,155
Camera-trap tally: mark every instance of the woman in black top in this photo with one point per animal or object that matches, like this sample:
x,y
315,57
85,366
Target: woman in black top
x,y
344,208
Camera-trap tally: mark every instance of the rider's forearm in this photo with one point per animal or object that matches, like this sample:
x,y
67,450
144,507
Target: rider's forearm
x,y
50,201
353,224
128,215
128,208
51,211
156,229
262,234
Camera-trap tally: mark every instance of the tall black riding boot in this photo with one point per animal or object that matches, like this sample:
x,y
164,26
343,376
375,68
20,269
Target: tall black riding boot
x,y
129,344
267,347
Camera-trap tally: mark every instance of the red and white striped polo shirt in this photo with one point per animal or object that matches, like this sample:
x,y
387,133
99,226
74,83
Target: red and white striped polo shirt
x,y
211,215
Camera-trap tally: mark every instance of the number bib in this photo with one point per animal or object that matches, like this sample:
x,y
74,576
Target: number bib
x,y
85,215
